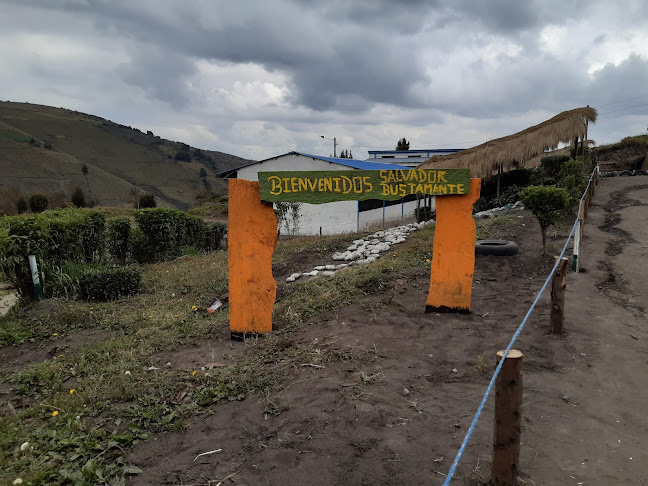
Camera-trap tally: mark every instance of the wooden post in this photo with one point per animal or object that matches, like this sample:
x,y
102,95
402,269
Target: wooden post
x,y
508,418
558,285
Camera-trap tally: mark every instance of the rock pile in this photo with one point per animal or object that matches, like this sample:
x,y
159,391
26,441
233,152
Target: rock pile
x,y
364,250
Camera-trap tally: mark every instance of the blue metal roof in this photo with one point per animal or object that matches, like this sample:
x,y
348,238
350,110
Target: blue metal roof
x,y
354,164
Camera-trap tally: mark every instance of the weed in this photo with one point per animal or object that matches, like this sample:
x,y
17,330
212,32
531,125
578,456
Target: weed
x,y
481,366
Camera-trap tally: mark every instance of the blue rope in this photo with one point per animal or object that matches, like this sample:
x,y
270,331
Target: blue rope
x,y
464,444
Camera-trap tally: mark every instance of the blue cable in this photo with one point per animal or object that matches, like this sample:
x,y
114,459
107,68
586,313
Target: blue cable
x,y
464,444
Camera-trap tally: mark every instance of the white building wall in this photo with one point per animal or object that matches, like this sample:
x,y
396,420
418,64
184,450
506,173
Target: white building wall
x,y
314,219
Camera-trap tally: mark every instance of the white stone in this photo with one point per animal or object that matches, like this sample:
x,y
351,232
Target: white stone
x,y
320,267
328,273
341,265
338,256
330,267
352,247
312,274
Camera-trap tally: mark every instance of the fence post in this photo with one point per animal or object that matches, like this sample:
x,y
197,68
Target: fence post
x,y
558,285
508,418
576,253
38,288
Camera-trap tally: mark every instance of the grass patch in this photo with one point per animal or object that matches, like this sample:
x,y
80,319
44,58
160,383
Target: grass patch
x,y
489,228
81,411
14,135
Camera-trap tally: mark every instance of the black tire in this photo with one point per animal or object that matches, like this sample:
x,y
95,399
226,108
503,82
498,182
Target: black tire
x,y
496,247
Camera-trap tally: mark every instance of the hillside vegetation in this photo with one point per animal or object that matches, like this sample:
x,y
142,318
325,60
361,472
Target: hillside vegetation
x,y
44,149
628,154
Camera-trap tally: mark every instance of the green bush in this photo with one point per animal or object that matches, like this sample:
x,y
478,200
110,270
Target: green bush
x,y
54,237
548,204
21,205
109,283
214,234
38,203
118,233
552,164
573,178
162,233
78,198
147,201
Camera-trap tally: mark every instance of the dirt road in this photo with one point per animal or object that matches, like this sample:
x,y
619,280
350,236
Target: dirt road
x,y
600,436
396,405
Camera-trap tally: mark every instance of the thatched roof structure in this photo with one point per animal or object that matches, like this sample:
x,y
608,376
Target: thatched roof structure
x,y
518,149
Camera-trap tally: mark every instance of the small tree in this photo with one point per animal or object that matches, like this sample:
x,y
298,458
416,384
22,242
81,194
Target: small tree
x,y
78,198
203,172
147,201
84,169
402,144
38,203
21,205
547,203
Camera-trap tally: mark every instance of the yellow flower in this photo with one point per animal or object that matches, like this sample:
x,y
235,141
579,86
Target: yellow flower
x,y
427,260
91,308
176,315
194,307
150,317
55,334
167,271
54,413
72,390
192,374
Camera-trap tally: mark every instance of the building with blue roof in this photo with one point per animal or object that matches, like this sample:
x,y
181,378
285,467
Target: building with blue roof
x,y
334,217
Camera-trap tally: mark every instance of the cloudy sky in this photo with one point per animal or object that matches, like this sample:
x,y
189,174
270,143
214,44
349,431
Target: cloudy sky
x,y
258,78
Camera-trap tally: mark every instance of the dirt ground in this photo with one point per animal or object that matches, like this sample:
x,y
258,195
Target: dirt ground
x,y
396,411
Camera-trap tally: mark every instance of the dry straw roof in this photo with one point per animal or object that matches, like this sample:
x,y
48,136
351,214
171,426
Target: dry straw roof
x,y
519,149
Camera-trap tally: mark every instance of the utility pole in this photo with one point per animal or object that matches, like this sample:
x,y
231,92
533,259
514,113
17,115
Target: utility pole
x,y
334,144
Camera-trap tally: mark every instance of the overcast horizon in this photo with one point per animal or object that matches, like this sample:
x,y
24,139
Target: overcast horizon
x,y
260,78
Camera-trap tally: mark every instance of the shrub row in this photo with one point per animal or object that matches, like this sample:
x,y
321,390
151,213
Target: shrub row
x,y
162,233
58,237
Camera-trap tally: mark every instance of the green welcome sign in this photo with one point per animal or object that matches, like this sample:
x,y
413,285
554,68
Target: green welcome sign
x,y
357,185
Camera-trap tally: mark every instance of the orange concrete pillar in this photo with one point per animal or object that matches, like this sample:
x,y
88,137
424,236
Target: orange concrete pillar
x,y
251,239
453,255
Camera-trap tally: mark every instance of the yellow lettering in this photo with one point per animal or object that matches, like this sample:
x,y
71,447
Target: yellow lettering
x,y
461,189
286,180
414,175
276,185
444,189
320,185
312,183
293,184
328,185
385,189
401,188
336,187
441,176
419,189
357,185
303,185
367,184
422,175
383,175
452,188
346,185
412,185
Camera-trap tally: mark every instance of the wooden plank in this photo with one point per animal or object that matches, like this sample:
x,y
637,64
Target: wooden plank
x,y
453,255
251,239
317,187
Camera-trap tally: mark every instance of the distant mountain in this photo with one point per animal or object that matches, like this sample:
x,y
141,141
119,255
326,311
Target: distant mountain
x,y
44,149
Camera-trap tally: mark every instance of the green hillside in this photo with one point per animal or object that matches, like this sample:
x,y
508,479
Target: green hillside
x,y
118,157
